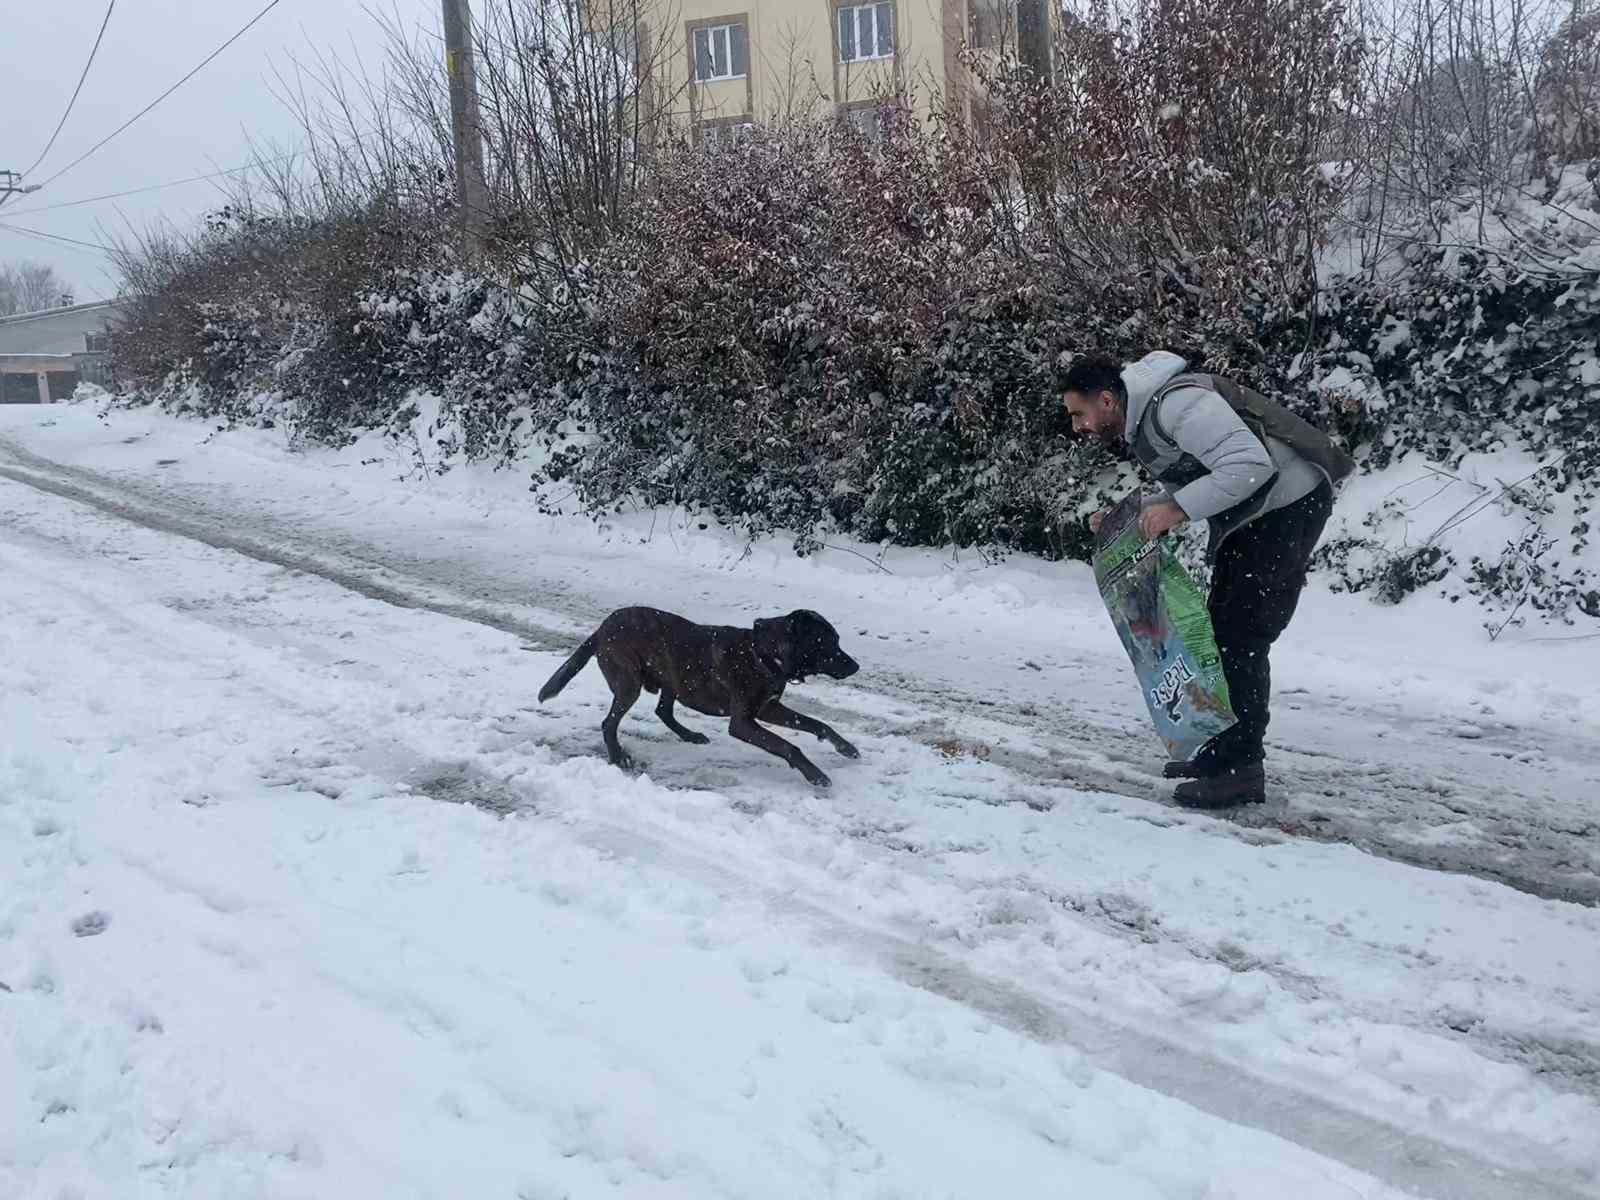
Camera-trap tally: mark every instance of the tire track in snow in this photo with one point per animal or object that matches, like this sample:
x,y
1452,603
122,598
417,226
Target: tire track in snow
x,y
1372,808
1409,1161
1569,1063
1421,1163
363,584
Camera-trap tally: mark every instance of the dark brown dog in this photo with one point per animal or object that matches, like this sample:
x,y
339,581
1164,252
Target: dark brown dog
x,y
718,670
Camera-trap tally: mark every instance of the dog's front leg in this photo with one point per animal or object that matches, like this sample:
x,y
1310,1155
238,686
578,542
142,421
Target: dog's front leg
x,y
779,714
743,727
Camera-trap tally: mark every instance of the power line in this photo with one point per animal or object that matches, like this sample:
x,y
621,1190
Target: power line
x,y
272,4
71,103
155,187
55,237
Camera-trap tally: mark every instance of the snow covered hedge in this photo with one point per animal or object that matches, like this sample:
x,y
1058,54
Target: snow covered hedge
x,y
769,348
1476,355
808,333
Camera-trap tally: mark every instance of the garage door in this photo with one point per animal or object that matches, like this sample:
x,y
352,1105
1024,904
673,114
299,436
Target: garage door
x,y
19,389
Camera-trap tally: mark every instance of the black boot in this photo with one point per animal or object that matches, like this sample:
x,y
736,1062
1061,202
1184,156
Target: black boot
x,y
1229,787
1194,768
1215,757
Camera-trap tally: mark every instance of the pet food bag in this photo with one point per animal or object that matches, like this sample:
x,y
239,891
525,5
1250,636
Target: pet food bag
x,y
1162,620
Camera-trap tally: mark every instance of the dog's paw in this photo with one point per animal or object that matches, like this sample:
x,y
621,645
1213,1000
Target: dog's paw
x,y
846,749
817,779
623,762
696,739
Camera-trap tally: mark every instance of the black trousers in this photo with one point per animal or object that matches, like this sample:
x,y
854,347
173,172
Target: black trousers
x,y
1256,580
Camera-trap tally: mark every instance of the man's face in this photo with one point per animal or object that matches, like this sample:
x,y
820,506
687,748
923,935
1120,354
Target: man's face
x,y
1098,413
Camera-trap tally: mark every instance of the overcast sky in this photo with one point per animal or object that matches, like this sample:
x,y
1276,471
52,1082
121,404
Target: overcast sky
x,y
202,127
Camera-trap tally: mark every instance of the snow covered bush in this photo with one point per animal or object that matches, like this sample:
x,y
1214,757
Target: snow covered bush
x,y
1179,136
806,332
259,316
811,332
1567,93
1475,355
775,323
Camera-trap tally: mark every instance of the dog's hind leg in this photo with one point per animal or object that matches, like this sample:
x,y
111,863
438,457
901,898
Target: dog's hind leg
x,y
664,711
746,730
775,712
624,692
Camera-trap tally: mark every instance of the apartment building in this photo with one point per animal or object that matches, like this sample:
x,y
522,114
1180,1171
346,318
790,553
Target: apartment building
x,y
724,66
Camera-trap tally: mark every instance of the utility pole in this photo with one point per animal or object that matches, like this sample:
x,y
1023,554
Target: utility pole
x,y
10,185
471,191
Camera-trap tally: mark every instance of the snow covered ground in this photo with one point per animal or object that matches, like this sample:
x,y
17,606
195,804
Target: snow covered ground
x,y
302,895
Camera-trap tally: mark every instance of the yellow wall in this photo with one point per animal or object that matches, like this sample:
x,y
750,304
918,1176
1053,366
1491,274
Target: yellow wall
x,y
795,70
794,60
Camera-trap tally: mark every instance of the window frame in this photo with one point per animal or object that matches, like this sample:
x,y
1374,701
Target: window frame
x,y
866,119
880,27
725,132
709,30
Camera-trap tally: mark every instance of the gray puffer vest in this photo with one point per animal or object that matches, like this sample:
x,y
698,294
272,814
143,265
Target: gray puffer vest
x,y
1263,417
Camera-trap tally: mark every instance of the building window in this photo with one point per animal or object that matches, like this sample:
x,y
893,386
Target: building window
x,y
866,31
719,135
96,343
867,119
721,52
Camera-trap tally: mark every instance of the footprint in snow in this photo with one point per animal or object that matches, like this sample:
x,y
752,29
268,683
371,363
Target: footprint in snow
x,y
91,924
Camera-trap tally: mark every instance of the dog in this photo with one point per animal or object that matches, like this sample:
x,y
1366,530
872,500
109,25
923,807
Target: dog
x,y
719,670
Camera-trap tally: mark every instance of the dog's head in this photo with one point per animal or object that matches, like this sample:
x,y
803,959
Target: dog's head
x,y
804,644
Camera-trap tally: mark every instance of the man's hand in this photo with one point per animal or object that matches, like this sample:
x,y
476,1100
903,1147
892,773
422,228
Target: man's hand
x,y
1095,518
1156,519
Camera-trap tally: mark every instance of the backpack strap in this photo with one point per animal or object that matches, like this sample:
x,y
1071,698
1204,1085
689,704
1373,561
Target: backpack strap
x,y
1181,380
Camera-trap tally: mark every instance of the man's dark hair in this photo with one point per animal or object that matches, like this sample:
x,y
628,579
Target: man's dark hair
x,y
1092,374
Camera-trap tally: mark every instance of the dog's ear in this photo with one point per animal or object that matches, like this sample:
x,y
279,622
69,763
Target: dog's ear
x,y
812,629
803,623
804,641
824,628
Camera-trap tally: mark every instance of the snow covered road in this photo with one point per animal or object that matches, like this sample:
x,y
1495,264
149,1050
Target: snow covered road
x,y
1398,732
250,947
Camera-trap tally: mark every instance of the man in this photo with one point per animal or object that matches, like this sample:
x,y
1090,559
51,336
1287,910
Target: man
x,y
1265,493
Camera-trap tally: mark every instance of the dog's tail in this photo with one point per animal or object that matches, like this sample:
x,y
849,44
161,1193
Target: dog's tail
x,y
564,675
